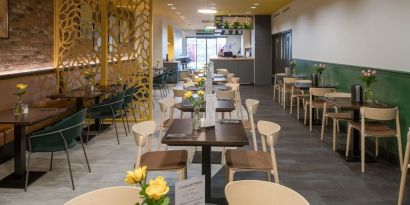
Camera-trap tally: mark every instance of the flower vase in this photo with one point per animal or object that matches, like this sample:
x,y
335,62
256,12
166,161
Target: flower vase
x,y
321,81
90,86
196,120
18,109
368,94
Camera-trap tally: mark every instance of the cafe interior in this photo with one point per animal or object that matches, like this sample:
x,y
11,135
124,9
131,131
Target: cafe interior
x,y
157,102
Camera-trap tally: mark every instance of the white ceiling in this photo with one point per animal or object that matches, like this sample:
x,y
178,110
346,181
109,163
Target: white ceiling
x,y
193,20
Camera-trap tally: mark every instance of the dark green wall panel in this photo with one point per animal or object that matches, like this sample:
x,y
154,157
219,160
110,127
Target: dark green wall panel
x,y
392,88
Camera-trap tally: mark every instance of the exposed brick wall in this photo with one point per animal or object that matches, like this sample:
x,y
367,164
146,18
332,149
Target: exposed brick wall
x,y
30,42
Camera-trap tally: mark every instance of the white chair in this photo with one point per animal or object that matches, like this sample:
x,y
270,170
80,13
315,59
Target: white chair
x,y
178,93
404,170
121,195
173,160
277,86
375,128
314,103
249,160
166,106
287,89
298,94
256,192
252,107
237,99
336,115
226,95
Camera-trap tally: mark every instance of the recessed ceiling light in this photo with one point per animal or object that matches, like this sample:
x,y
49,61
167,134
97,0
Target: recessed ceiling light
x,y
253,7
173,8
170,4
248,12
207,11
182,17
212,4
178,12
256,4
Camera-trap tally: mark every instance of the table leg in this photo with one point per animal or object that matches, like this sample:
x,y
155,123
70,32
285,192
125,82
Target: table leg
x,y
356,136
206,170
19,151
79,104
97,121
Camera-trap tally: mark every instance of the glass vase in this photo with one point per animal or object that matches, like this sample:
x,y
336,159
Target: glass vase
x,y
18,108
90,86
196,120
321,80
368,94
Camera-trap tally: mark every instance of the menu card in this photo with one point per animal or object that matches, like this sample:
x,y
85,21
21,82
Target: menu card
x,y
210,110
190,192
208,83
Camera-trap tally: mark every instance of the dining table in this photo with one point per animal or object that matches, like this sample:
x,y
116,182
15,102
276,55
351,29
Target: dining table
x,y
222,105
215,88
347,104
224,134
307,86
20,124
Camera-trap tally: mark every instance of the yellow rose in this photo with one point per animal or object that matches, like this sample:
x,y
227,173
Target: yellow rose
x,y
201,93
136,176
157,188
21,86
188,94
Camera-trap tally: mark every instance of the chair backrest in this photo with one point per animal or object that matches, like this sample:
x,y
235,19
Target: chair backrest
x,y
338,95
247,192
382,114
234,86
234,80
320,92
129,95
226,95
222,71
178,93
122,195
166,104
141,132
302,81
187,80
289,80
270,130
230,76
252,106
69,128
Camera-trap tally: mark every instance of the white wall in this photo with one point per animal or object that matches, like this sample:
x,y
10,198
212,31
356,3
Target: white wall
x,y
160,39
370,33
157,46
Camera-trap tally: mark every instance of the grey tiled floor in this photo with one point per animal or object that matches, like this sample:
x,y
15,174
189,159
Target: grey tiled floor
x,y
306,165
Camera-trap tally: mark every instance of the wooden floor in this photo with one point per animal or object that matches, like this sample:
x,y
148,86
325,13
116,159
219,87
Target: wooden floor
x,y
305,164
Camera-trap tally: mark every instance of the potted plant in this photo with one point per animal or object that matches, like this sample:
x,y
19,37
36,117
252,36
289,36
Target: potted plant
x,y
226,25
154,192
218,25
368,78
236,25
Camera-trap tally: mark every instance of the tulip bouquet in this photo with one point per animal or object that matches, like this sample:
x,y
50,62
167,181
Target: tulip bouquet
x,y
21,89
200,82
195,102
153,193
89,77
368,78
319,68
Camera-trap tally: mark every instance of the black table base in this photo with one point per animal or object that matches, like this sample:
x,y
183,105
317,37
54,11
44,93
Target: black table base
x,y
14,182
355,158
216,157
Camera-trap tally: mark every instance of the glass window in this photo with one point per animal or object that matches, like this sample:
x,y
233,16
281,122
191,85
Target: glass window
x,y
201,49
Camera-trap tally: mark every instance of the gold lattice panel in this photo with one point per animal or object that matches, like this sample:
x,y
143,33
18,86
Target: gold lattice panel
x,y
129,30
79,29
3,18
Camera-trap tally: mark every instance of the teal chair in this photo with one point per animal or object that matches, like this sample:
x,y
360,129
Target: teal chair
x,y
58,137
127,106
110,108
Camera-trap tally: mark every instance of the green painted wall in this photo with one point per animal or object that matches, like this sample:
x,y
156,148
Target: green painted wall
x,y
392,88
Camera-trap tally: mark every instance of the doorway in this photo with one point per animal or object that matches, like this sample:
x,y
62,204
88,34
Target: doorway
x,y
200,49
281,51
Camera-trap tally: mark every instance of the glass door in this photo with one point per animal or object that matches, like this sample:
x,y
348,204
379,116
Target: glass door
x,y
201,49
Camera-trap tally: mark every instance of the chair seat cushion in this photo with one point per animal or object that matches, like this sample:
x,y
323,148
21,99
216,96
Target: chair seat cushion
x,y
241,159
339,115
165,160
375,129
247,124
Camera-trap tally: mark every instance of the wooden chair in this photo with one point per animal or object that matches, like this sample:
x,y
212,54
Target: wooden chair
x,y
187,80
336,116
314,103
286,89
404,170
173,160
277,85
249,160
298,94
166,106
121,195
234,80
226,95
237,99
247,192
249,124
178,93
222,71
377,129
230,76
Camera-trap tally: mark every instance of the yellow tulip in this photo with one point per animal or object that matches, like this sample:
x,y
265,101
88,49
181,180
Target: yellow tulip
x,y
188,94
136,176
157,188
201,93
21,86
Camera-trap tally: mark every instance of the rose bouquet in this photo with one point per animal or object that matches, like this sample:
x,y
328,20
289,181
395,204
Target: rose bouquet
x,y
320,68
154,192
368,78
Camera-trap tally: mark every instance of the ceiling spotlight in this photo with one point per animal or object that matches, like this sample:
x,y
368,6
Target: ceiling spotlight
x,y
170,4
178,12
248,12
207,11
253,7
256,4
173,8
212,4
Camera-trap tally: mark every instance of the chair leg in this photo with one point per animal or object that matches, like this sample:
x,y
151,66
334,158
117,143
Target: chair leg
x,y
181,174
297,108
306,111
334,134
322,131
186,172
126,120
349,133
116,130
404,174
291,104
310,118
133,114
69,167
28,171
223,156
363,151
51,161
88,130
125,127
86,158
376,144
400,150
268,176
230,174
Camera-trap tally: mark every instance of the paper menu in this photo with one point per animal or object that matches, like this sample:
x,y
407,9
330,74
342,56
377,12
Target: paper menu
x,y
190,192
210,115
208,84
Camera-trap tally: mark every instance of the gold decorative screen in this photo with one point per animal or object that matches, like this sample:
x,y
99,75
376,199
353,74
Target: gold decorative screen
x,y
4,13
124,26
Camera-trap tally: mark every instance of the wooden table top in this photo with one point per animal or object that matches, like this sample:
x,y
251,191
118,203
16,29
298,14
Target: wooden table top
x,y
83,93
347,104
306,86
215,88
223,135
221,106
35,115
